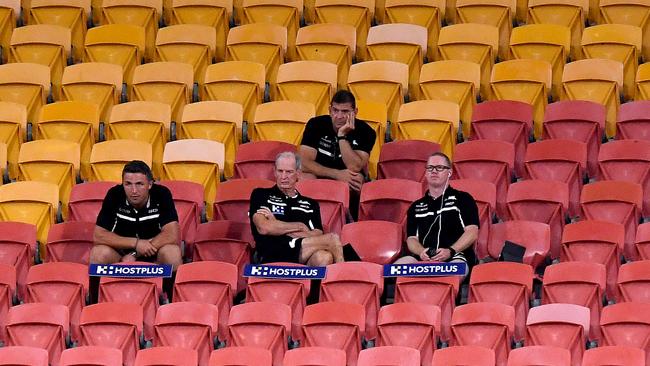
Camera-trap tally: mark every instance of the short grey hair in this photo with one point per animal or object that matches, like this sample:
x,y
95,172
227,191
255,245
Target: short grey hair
x,y
289,154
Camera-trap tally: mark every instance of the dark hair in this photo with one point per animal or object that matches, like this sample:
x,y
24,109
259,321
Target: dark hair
x,y
138,166
442,155
344,96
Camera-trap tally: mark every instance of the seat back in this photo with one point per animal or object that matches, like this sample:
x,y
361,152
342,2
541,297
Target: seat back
x,y
25,83
642,240
264,43
145,14
194,44
358,14
534,236
23,356
13,127
107,158
613,354
307,81
388,199
485,196
430,120
281,121
333,199
190,207
86,200
17,248
238,355
539,355
168,82
375,241
161,355
405,159
626,324
632,281
631,121
70,241
233,197
120,44
320,356
464,355
97,83
392,355
91,356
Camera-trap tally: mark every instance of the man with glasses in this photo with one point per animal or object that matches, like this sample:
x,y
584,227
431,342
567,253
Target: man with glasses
x,y
443,225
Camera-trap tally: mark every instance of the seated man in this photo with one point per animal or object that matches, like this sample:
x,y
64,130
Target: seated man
x,y
137,221
286,225
442,226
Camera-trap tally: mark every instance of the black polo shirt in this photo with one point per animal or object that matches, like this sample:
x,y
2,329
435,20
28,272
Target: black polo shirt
x,y
426,215
282,248
320,134
118,216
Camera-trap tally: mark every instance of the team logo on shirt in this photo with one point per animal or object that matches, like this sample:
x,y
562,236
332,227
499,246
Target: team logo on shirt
x,y
277,210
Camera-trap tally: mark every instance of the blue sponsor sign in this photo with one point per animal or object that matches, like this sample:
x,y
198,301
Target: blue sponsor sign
x,y
286,272
427,269
126,270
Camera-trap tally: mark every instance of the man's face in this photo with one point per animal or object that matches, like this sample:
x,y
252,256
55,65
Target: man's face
x,y
286,174
438,172
340,112
136,186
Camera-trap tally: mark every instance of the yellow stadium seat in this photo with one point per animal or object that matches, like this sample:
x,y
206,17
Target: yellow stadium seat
x,y
527,81
144,121
548,42
425,13
281,121
358,14
405,43
107,158
9,14
376,116
3,163
454,81
93,82
497,13
631,12
142,13
429,120
43,44
166,82
72,14
217,121
569,13
13,127
214,13
618,42
595,80
335,43
258,42
642,82
477,43
32,202
236,81
71,121
119,44
195,160
27,84
307,81
190,43
285,13
380,81
51,161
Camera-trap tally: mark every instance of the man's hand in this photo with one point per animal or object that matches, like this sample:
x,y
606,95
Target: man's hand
x,y
348,126
353,179
424,256
266,213
442,254
144,248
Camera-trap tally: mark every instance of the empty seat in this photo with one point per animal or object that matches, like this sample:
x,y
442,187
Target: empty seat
x,y
107,158
428,14
375,114
642,240
534,236
98,83
70,241
485,195
23,356
233,198
375,241
190,207
632,120
193,44
120,44
27,84
499,14
388,199
286,14
333,199
91,355
244,356
257,159
429,120
392,355
641,82
357,14
405,159
10,12
259,42
7,295
632,281
17,249
167,355
539,355
601,356
145,14
626,324
281,121
70,14
13,129
317,356
464,355
626,12
570,13
307,81
86,200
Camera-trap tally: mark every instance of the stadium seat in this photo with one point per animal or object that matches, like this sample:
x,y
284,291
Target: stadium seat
x,y
614,201
641,81
428,14
627,12
242,356
86,200
595,80
120,44
617,42
375,241
534,236
375,114
335,325
13,129
192,44
165,82
261,324
8,295
608,355
333,198
240,82
541,201
91,356
190,207
455,81
23,356
314,356
98,83
145,14
232,201
632,120
17,249
258,42
281,121
560,325
539,355
256,160
559,160
642,240
70,14
208,282
626,324
579,283
60,283
476,43
107,158
39,325
357,14
547,42
486,160
464,355
195,160
505,120
570,13
632,281
27,84
409,325
286,14
505,283
391,355
485,196
114,325
499,14
177,356
187,325
405,159
307,81
388,200
436,121
10,11
70,241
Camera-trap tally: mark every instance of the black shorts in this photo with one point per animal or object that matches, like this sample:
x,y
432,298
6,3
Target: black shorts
x,y
283,249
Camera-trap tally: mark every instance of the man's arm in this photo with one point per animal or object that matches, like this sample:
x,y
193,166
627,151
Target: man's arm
x,y
416,248
170,233
267,224
354,160
465,241
105,237
309,164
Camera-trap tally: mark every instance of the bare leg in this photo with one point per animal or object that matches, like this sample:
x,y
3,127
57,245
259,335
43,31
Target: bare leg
x,y
103,254
320,258
170,254
407,259
328,242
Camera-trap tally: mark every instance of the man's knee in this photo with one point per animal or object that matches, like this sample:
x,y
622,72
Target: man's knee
x,y
103,254
321,258
170,254
333,238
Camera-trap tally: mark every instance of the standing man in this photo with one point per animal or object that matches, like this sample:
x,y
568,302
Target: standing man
x,y
443,225
286,225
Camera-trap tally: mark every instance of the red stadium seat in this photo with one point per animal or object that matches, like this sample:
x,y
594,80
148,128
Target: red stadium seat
x,y
391,355
256,160
86,200
614,355
188,199
632,121
464,355
167,355
7,295
633,281
17,249
233,196
70,241
375,241
388,199
405,159
333,198
534,236
91,356
485,196
642,241
240,356
627,324
540,356
23,356
314,356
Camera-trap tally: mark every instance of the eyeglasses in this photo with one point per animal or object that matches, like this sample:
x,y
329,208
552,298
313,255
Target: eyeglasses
x,y
436,168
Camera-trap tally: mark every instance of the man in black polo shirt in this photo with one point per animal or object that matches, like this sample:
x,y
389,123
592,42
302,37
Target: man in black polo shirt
x,y
137,221
443,225
287,225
